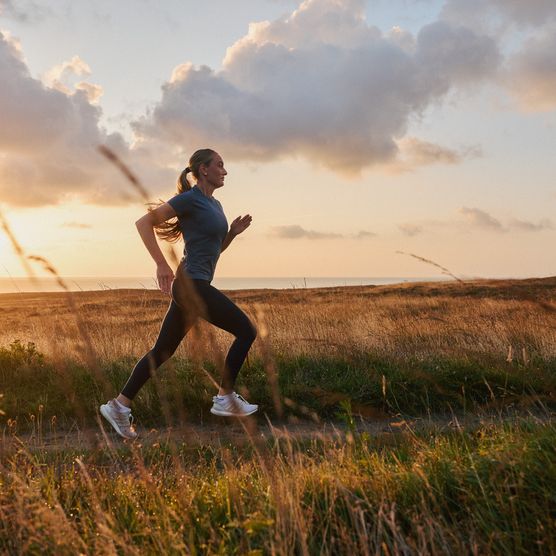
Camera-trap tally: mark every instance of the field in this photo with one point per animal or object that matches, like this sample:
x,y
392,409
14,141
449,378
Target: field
x,y
407,419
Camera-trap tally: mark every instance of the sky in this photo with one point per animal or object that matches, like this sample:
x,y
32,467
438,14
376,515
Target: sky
x,y
353,131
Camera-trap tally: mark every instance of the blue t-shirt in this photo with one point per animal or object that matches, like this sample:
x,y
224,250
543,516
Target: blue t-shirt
x,y
204,227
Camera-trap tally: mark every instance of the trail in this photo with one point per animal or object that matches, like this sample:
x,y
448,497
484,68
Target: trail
x,y
258,431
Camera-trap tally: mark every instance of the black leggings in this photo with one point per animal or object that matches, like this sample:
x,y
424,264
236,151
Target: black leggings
x,y
196,299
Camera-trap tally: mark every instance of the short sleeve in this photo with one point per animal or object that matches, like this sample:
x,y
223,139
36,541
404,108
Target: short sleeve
x,y
181,203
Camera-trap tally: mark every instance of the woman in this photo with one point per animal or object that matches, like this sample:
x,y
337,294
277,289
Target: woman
x,y
201,221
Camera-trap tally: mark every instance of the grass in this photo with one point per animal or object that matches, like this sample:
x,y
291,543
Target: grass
x,y
485,491
399,355
410,349
374,386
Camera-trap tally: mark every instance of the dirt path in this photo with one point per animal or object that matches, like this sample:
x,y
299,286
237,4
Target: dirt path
x,y
259,430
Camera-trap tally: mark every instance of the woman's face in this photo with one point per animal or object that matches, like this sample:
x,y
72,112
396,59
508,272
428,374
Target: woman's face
x,y
215,171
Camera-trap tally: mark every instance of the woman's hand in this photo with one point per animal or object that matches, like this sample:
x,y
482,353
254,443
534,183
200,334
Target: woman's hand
x,y
164,276
240,224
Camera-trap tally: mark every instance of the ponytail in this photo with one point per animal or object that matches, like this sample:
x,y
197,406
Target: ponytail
x,y
183,182
170,230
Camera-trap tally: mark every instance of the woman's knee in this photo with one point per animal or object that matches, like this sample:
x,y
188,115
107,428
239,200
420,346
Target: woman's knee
x,y
161,354
250,332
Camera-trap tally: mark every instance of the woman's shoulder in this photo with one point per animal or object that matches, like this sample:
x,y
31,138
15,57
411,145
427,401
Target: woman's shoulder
x,y
181,202
185,194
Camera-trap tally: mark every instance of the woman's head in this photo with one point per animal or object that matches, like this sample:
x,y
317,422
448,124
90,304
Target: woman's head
x,y
199,162
206,165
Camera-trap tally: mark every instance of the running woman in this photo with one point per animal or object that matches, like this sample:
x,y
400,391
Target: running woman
x,y
203,225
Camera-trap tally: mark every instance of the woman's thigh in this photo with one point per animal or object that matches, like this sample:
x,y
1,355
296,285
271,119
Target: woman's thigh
x,y
223,312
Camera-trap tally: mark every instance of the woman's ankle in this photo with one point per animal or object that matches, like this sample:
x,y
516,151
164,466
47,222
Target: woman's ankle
x,y
121,399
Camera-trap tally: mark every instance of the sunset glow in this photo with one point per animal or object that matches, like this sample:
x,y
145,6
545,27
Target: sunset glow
x,y
351,130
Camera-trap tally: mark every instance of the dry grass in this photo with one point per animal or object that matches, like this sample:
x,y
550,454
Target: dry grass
x,y
479,319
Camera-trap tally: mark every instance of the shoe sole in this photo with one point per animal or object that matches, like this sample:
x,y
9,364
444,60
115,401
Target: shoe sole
x,y
106,414
221,413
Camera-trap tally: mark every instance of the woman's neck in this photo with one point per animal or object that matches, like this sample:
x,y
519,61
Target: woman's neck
x,y
206,188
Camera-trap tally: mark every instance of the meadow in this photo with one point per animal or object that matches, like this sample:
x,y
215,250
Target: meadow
x,y
407,419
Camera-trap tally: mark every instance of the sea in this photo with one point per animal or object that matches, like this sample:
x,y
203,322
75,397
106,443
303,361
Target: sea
x,y
95,283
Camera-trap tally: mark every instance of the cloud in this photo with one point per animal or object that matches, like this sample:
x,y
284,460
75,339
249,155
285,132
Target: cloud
x,y
474,218
410,230
76,225
414,152
478,13
530,12
481,219
294,231
48,140
69,68
62,76
26,11
320,83
525,226
530,69
91,90
531,73
364,234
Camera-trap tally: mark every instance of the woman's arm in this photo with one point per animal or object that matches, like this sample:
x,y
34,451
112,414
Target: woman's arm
x,y
227,240
145,226
240,224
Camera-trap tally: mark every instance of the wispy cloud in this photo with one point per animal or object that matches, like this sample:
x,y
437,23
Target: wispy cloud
x,y
544,224
410,230
364,234
24,11
480,219
414,152
77,225
294,231
476,219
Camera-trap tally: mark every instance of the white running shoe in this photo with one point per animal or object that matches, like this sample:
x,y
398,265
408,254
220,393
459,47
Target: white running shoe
x,y
232,405
121,421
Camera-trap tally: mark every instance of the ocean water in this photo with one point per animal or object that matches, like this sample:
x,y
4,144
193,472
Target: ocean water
x,y
91,283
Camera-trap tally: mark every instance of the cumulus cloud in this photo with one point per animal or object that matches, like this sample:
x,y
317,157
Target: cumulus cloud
x,y
531,73
319,83
48,139
479,13
294,231
69,68
530,69
62,78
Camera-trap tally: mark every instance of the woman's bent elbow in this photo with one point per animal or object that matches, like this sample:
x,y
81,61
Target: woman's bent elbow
x,y
144,221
